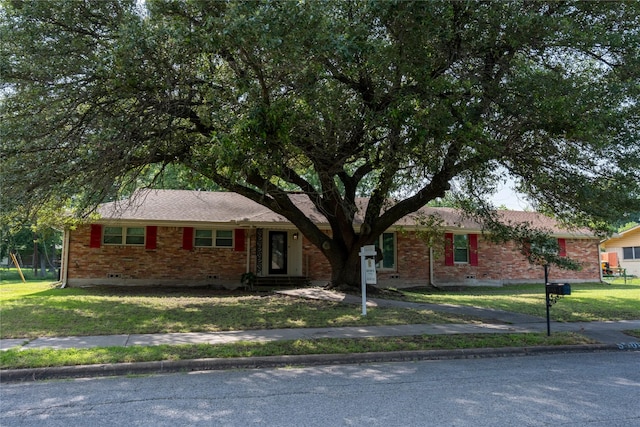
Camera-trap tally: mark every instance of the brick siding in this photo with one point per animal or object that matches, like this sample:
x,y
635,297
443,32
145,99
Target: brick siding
x,y
169,264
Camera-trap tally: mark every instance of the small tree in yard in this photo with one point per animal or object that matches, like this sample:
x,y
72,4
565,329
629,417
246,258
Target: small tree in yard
x,y
402,102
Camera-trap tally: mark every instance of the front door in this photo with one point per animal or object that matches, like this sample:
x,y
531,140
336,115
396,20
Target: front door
x,y
277,252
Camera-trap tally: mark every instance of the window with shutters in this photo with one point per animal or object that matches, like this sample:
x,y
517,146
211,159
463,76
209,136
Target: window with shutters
x,y
206,238
133,236
460,248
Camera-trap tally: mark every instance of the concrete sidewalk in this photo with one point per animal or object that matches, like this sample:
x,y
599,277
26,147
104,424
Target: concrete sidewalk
x,y
603,332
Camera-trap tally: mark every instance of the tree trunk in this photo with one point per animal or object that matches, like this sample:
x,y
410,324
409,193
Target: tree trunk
x,y
345,273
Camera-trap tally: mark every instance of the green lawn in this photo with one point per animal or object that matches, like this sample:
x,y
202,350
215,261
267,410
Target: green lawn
x,y
587,302
38,308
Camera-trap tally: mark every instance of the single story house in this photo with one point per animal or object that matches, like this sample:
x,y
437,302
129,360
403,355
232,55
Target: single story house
x,y
183,238
623,250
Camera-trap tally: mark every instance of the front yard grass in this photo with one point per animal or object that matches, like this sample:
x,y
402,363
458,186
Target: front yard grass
x,y
587,302
38,309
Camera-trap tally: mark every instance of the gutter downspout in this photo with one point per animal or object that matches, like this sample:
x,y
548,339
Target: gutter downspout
x,y
431,277
600,264
248,252
64,274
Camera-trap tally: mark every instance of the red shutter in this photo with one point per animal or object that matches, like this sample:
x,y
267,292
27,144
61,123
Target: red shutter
x,y
562,247
187,238
239,240
473,249
96,236
152,235
448,249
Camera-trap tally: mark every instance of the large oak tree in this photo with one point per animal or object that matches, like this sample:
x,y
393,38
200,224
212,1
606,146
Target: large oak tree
x,y
396,100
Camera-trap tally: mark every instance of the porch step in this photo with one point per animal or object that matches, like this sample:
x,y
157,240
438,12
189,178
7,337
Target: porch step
x,y
284,281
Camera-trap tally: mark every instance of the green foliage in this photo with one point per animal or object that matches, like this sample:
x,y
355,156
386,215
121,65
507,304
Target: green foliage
x,y
396,100
627,226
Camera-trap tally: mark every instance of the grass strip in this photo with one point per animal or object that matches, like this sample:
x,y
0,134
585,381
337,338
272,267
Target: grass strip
x,y
633,332
40,358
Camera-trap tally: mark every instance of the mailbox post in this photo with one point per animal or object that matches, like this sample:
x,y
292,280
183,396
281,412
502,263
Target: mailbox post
x,y
367,272
553,292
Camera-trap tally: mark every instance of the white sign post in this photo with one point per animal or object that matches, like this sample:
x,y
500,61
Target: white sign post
x,y
368,272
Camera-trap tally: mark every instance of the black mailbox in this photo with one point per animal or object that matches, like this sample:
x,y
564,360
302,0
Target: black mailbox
x,y
559,288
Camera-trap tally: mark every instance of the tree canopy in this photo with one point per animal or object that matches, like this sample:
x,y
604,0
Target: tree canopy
x,y
403,102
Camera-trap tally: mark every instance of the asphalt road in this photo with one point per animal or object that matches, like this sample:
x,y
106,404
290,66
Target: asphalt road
x,y
585,389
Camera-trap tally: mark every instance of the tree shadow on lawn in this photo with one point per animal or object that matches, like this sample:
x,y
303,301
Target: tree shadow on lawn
x,y
91,311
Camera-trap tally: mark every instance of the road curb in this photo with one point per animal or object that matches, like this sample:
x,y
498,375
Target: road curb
x,y
160,367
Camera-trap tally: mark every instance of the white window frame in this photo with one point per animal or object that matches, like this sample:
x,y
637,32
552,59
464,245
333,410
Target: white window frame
x,y
380,244
196,237
218,238
215,238
125,234
455,248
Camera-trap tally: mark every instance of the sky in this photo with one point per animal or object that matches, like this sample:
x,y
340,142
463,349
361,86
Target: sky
x,y
510,198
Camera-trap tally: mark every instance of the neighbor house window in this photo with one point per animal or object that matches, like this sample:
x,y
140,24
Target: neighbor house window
x,y
461,248
632,252
387,243
214,238
123,235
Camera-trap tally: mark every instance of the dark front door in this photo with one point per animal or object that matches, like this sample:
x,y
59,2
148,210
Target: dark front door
x,y
277,252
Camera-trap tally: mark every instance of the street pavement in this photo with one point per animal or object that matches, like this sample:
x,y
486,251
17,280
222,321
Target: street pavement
x,y
609,335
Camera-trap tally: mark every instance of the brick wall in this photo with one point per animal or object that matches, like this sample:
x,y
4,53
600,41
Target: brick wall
x,y
169,264
316,266
502,264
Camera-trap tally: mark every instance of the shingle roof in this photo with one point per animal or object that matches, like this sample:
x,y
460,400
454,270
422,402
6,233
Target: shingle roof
x,y
181,206
188,206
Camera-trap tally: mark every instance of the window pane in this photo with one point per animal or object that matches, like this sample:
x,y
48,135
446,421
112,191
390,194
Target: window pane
x,y
224,238
204,238
388,250
461,248
637,252
627,253
203,241
135,231
112,236
135,236
460,255
112,240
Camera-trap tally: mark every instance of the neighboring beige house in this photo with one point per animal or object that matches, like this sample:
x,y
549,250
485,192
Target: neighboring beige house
x,y
626,246
183,238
